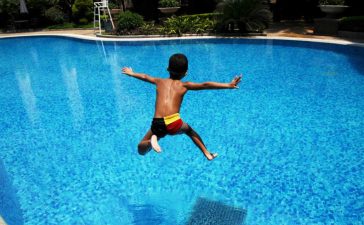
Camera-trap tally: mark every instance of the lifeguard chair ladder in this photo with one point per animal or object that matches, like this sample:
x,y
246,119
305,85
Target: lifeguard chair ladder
x,y
99,7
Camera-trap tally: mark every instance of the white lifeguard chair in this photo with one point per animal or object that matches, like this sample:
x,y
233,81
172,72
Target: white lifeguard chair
x,y
102,6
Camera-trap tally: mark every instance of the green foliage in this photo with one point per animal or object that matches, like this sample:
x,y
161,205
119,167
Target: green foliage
x,y
104,17
203,16
38,7
83,21
352,19
353,23
70,26
176,25
189,24
55,15
332,2
128,21
82,9
8,8
88,25
149,28
169,3
113,5
247,15
62,26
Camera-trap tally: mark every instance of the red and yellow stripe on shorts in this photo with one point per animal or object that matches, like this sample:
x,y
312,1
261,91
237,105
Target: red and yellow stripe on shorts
x,y
173,123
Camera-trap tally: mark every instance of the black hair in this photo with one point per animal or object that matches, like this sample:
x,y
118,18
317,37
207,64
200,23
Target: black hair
x,y
178,66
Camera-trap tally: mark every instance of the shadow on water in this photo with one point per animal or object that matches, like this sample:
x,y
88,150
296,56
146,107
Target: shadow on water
x,y
207,212
353,52
9,205
146,215
358,61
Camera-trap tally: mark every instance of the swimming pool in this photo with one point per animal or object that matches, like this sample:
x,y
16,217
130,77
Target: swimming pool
x,y
290,140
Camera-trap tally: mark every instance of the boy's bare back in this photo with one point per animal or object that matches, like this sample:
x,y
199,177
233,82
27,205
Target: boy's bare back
x,y
169,97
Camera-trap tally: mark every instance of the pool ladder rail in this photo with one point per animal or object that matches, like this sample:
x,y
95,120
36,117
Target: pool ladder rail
x,y
99,7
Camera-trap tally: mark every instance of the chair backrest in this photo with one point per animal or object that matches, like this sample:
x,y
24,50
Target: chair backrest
x,y
105,3
102,3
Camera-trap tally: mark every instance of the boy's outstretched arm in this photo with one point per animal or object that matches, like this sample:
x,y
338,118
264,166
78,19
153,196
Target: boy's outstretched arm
x,y
141,76
214,85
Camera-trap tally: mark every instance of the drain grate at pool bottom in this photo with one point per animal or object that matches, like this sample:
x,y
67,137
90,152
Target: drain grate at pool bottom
x,y
207,212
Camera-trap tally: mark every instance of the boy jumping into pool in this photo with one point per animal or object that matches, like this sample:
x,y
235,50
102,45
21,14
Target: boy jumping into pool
x,y
170,94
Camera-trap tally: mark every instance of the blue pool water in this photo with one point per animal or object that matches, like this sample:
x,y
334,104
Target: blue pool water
x,y
290,140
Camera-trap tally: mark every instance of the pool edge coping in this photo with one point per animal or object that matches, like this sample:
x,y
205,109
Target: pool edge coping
x,y
107,39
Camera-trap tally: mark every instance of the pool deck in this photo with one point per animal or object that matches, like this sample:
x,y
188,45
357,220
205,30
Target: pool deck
x,y
285,29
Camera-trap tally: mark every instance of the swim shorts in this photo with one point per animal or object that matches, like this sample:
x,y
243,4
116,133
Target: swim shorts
x,y
166,125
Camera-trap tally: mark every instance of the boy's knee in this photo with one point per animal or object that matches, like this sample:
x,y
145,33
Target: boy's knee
x,y
188,130
141,150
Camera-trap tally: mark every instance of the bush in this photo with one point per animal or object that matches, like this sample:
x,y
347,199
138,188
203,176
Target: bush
x,y
353,23
169,3
200,23
149,28
70,26
176,25
113,6
247,15
55,15
83,21
62,26
129,21
104,17
82,9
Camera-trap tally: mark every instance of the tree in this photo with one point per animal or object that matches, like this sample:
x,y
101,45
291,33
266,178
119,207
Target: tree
x,y
66,5
82,10
38,7
247,15
8,10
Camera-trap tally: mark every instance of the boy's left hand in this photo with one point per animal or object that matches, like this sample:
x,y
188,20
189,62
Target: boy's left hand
x,y
127,71
234,83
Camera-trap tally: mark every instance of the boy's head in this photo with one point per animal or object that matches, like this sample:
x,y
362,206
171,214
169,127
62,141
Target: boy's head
x,y
178,66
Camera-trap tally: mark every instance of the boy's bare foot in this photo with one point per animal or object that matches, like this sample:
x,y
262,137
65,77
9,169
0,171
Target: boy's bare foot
x,y
211,156
154,143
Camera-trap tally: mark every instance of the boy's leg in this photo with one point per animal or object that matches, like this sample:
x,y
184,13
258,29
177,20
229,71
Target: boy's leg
x,y
145,144
187,129
154,143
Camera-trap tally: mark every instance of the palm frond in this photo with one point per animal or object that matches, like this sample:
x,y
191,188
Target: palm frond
x,y
248,15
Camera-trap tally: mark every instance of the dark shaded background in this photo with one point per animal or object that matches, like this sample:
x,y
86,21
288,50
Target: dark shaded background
x,y
283,9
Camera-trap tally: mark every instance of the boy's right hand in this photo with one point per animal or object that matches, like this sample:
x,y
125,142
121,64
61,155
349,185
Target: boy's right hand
x,y
234,83
127,71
